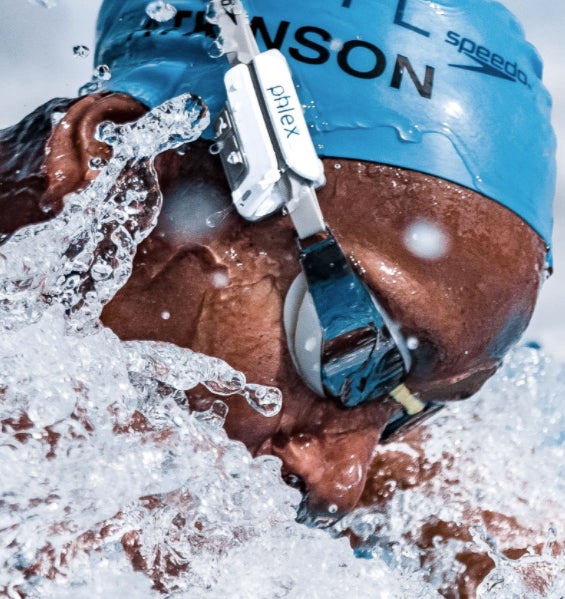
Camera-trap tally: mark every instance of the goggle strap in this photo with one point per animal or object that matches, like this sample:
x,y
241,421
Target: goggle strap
x,y
304,211
404,422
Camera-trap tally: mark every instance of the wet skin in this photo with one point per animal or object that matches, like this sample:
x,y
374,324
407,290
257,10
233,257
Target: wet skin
x,y
222,290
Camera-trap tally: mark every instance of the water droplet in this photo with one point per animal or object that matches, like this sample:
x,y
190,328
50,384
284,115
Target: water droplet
x,y
337,166
220,279
235,158
101,271
107,132
89,88
216,148
310,344
265,400
160,11
332,509
426,240
336,45
81,51
102,72
211,15
216,48
97,163
216,219
165,315
412,343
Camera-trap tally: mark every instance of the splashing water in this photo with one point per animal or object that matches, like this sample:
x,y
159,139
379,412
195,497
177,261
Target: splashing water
x,y
88,250
108,482
536,576
494,462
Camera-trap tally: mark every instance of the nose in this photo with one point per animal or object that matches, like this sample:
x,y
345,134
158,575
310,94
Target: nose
x,y
330,469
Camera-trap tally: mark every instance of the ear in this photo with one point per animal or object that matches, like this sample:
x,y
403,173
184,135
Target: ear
x,y
72,145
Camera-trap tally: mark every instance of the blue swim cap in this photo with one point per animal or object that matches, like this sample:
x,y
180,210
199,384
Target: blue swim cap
x,y
446,87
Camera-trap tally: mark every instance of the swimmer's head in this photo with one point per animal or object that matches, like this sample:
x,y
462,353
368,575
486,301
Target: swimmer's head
x,y
434,129
449,88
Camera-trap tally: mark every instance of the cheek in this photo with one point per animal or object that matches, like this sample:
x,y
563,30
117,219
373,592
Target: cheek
x,y
241,324
196,216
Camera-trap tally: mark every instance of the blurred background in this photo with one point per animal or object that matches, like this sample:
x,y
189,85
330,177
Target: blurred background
x,y
37,63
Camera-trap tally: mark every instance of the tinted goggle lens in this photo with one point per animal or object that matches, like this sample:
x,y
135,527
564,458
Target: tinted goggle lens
x,y
343,343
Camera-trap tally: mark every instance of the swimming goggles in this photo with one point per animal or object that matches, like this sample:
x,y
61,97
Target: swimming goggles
x,y
342,342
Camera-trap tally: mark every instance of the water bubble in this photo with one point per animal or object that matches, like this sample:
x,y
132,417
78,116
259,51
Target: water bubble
x,y
165,315
101,270
102,73
81,51
412,343
426,240
211,14
161,11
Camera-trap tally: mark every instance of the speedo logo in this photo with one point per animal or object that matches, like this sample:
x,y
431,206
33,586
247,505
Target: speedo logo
x,y
487,62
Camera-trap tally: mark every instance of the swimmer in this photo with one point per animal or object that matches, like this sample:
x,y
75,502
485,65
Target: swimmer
x,y
438,164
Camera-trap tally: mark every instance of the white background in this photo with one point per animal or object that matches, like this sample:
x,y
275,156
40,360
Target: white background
x,y
37,63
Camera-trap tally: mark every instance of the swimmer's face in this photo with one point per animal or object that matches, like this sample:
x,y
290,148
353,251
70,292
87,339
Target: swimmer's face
x,y
220,290
462,299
